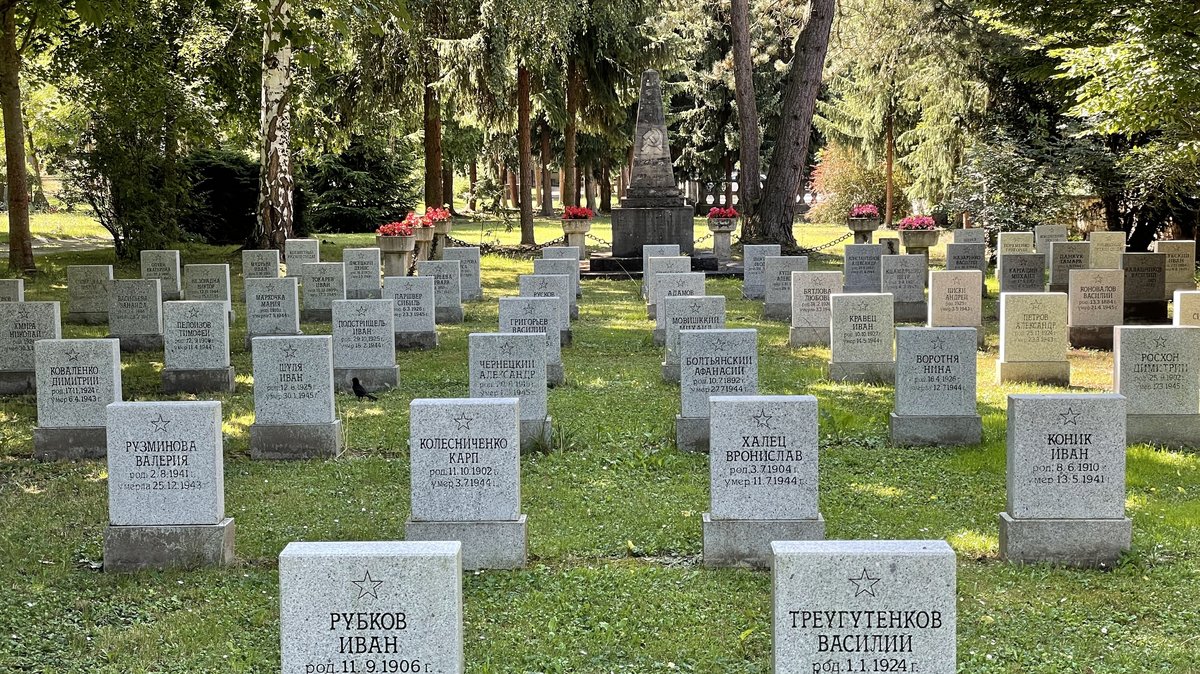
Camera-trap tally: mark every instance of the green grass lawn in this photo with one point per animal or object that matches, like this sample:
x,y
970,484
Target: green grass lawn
x,y
59,226
614,582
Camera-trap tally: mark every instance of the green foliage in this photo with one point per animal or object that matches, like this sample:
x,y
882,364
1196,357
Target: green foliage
x,y
223,185
843,179
361,188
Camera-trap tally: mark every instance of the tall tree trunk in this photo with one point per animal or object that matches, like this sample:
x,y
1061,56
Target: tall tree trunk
x,y
579,180
20,245
539,190
525,147
749,192
433,139
589,187
513,193
448,184
40,203
474,178
547,183
890,169
274,223
570,183
606,187
790,161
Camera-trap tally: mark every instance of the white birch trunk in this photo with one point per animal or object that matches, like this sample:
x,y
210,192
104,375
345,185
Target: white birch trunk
x,y
275,175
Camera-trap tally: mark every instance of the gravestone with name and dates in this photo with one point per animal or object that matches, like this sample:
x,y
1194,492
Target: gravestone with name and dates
x,y
164,266
413,314
196,348
364,345
712,363
777,274
22,324
77,379
1145,288
363,269
321,284
1155,369
135,314
861,334
688,313
299,252
260,263
272,307
936,387
1033,339
294,413
88,293
1095,305
508,365
754,274
537,315
666,286
810,306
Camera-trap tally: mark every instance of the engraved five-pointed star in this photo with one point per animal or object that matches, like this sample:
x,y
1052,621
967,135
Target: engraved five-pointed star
x,y
289,351
530,310
722,344
1070,417
1160,342
864,584
160,424
367,586
463,421
762,419
937,344
696,305
506,349
361,310
193,312
859,305
72,356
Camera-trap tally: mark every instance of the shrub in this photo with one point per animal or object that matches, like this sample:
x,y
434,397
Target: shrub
x,y
224,196
842,180
357,189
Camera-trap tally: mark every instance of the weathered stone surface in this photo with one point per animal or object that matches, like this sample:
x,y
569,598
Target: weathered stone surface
x,y
824,592
89,293
1033,327
810,306
862,328
13,290
363,269
1181,264
537,315
567,253
135,308
891,245
165,464
557,286
164,266
272,306
364,344
777,276
412,589
904,277
1154,368
658,250
966,256
1107,249
973,235
1187,307
754,276
668,285
568,268
141,548
1096,297
1022,273
413,300
716,362
1010,243
1145,276
1046,235
505,365
22,324
862,266
195,335
76,380
208,283
260,264
469,266
688,313
322,283
935,388
299,252
662,265
954,300
293,380
637,227
1065,256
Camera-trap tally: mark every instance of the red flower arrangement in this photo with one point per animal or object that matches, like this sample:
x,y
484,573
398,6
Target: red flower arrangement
x,y
718,213
865,211
917,223
435,215
399,228
576,213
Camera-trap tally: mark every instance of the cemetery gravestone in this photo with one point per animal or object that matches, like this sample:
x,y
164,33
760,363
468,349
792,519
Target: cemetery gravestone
x,y
1187,308
1012,243
413,315
466,479
76,381
1145,287
1153,367
22,324
657,266
1022,273
935,388
904,277
537,315
1107,249
690,284
1064,257
1033,339
299,252
260,264
164,266
363,268
447,289
323,283
968,256
1066,480
387,606
89,293
1044,236
570,269
469,265
364,345
1181,264
864,606
810,306
557,286
135,314
208,283
294,414
688,313
954,302
504,365
777,277
567,253
861,331
272,307
12,289
670,250
862,266
196,348
166,487
1096,304
754,285
712,362
891,245
970,235
762,478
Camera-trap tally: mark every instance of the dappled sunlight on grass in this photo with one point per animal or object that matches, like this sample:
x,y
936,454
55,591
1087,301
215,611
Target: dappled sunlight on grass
x,y
880,490
973,543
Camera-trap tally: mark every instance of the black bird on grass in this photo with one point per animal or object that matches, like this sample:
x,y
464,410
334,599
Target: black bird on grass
x,y
361,392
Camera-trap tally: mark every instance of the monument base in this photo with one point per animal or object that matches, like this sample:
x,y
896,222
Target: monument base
x,y
1057,373
778,311
448,315
670,373
747,543
863,373
218,380
692,434
417,341
652,311
603,264
1058,288
1167,430
288,442
910,312
16,383
1153,312
139,343
634,227
485,545
250,338
171,296
365,294
660,337
138,548
755,292
798,337
1187,286
909,431
316,315
566,337
1099,337
537,434
69,444
86,318
1075,543
374,379
573,311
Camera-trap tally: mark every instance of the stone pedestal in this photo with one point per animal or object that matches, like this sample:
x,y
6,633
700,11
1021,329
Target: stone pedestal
x,y
777,311
139,343
863,373
138,548
449,315
555,376
372,378
536,434
722,233
15,383
86,318
808,337
635,226
1099,337
576,233
1070,542
69,444
938,430
670,373
217,380
295,441
485,545
747,543
691,434
1056,373
863,228
1167,430
417,341
1153,312
566,337
910,312
316,315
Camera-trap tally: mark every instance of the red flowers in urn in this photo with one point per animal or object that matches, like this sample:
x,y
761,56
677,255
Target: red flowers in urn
x,y
865,211
718,213
399,228
918,223
577,213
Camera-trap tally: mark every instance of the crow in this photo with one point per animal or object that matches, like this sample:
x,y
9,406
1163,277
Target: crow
x,y
362,392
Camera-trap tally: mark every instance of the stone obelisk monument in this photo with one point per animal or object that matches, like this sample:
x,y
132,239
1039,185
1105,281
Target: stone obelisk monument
x,y
653,209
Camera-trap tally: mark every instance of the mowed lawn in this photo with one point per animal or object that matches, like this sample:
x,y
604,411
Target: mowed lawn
x,y
614,582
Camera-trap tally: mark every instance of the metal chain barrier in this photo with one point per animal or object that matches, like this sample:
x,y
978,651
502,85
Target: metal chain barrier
x,y
598,240
824,246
